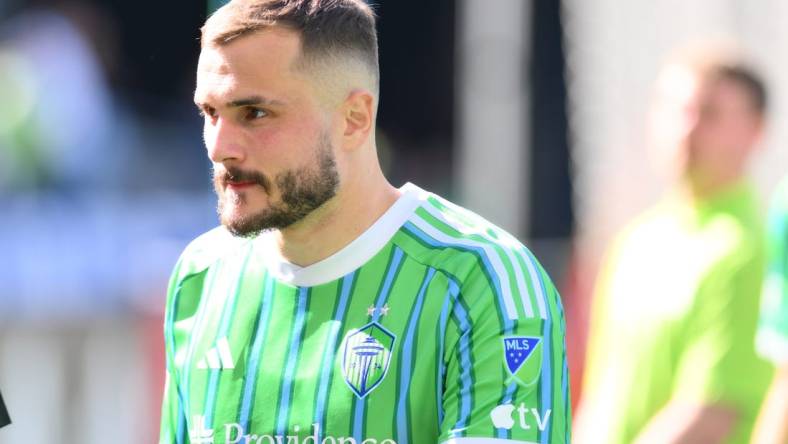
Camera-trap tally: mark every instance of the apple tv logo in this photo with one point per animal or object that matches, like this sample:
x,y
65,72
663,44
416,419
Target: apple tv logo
x,y
502,417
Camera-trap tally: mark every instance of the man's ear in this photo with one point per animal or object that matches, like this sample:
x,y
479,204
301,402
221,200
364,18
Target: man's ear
x,y
759,133
358,114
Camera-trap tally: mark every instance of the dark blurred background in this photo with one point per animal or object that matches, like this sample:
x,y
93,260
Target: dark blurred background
x,y
147,59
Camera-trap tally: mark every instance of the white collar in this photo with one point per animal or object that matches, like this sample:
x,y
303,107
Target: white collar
x,y
353,255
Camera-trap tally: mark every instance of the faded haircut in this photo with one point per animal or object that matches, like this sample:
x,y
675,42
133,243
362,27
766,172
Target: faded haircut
x,y
335,34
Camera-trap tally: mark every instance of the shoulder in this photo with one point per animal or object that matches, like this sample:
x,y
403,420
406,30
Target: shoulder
x,y
205,250
743,232
487,263
735,241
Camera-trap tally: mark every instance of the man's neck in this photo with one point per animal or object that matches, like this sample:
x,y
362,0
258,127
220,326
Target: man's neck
x,y
337,223
699,188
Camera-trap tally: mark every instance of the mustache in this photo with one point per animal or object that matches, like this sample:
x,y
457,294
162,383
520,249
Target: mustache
x,y
234,174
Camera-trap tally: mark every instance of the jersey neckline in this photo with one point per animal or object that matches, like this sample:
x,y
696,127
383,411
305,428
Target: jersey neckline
x,y
351,257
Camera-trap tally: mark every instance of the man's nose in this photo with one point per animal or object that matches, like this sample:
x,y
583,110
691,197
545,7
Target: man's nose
x,y
223,142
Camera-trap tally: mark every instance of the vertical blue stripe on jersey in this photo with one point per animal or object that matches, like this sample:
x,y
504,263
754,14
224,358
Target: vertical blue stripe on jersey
x,y
384,292
393,268
250,376
358,416
508,398
451,296
290,366
507,322
406,361
329,352
565,370
565,389
533,271
205,296
180,430
466,378
547,367
224,326
180,434
169,336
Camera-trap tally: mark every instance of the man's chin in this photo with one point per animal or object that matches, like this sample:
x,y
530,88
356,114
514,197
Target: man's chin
x,y
240,223
242,228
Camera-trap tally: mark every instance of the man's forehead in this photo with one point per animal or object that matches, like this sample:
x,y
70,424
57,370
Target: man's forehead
x,y
215,75
263,58
213,60
272,47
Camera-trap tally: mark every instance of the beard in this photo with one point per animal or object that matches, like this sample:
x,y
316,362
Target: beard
x,y
301,190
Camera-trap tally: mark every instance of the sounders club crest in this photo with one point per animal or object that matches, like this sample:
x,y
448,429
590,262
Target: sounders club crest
x,y
366,355
523,358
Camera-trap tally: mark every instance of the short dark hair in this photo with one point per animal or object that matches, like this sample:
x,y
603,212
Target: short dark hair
x,y
720,60
328,28
747,78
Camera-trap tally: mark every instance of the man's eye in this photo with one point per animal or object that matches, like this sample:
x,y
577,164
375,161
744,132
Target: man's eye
x,y
207,112
255,113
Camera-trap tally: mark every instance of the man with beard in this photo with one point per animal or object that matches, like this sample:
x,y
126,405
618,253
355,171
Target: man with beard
x,y
331,306
671,356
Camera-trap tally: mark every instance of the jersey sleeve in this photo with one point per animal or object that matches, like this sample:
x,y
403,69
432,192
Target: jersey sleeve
x,y
506,379
173,429
173,420
187,274
720,335
772,337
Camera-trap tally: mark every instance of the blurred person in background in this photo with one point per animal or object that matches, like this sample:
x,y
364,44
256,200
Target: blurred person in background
x,y
51,66
772,336
671,356
76,155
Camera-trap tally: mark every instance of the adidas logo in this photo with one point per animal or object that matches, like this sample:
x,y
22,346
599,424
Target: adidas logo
x,y
218,358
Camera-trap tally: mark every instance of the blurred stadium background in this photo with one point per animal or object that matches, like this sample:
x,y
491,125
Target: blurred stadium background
x,y
530,112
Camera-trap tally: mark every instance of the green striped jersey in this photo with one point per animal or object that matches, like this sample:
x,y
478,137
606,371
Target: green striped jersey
x,y
772,338
432,326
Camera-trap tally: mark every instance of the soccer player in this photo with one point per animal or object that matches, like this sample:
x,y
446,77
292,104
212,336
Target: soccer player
x,y
331,307
671,356
772,336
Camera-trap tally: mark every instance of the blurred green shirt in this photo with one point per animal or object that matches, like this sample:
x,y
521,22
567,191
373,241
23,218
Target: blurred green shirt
x,y
772,339
675,314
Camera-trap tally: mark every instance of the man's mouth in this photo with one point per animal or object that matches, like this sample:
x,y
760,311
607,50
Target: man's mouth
x,y
237,180
240,185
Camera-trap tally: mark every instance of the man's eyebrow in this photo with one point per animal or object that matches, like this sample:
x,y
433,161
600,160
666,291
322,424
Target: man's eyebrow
x,y
246,101
250,101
